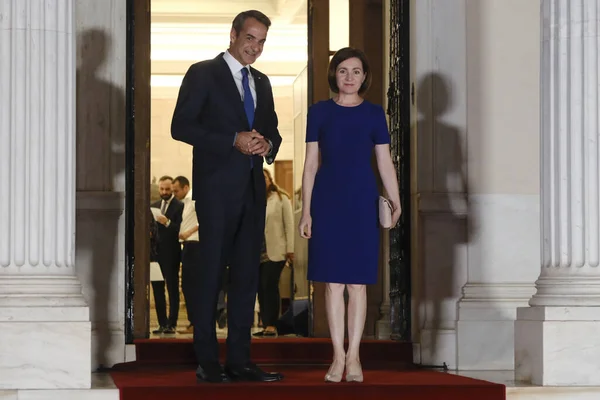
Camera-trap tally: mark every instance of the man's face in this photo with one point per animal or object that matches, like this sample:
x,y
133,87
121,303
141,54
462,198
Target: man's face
x,y
180,192
248,45
165,189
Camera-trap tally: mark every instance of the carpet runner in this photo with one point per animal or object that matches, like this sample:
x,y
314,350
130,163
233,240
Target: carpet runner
x,y
165,369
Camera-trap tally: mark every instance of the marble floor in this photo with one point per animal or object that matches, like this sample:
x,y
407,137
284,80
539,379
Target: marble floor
x,y
103,388
523,391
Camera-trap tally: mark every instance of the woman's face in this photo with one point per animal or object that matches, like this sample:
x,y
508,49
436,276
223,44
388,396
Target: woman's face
x,y
267,180
350,76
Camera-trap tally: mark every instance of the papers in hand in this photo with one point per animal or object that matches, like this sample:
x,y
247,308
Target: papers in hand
x,y
155,212
155,273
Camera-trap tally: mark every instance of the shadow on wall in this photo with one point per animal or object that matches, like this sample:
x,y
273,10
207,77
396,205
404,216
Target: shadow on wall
x,y
100,199
444,219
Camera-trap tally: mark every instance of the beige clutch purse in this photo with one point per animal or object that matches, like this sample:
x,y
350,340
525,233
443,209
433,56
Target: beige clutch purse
x,y
385,213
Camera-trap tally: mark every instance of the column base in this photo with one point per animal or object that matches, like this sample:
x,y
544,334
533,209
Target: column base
x,y
45,355
103,388
45,333
486,322
558,346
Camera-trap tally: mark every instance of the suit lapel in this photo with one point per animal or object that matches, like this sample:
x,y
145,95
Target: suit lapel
x,y
226,82
169,211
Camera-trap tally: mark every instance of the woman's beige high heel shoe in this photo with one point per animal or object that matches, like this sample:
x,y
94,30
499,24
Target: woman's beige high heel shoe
x,y
354,372
334,376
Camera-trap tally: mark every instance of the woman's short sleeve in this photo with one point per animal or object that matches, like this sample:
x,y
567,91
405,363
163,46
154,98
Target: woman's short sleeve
x,y
313,124
381,133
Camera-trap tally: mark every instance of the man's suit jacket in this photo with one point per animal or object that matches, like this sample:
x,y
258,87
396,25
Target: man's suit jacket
x,y
169,248
208,114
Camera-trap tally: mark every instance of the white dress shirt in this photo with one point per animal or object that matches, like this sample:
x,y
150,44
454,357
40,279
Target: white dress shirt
x,y
189,219
236,70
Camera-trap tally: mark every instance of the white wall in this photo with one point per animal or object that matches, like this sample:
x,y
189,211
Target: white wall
x,y
475,178
100,225
503,146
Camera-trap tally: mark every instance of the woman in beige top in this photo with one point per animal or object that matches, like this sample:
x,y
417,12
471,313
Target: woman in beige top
x,y
278,248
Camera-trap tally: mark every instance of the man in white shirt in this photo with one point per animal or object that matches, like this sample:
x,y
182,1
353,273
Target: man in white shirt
x,y
188,236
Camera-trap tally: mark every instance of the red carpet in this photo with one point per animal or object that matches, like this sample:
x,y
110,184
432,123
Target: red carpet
x,y
174,378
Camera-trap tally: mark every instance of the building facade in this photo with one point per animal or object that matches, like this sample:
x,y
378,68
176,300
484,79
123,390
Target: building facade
x,y
505,190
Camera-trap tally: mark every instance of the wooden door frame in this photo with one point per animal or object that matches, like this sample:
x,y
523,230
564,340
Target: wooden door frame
x,y
278,165
137,180
318,63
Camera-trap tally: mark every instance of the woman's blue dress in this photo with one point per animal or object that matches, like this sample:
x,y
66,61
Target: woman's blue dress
x,y
344,247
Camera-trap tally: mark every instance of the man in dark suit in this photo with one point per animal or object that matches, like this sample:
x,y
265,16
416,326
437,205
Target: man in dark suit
x,y
169,256
225,110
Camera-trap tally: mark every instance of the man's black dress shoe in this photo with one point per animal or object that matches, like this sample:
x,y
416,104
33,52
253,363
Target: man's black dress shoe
x,y
251,372
265,334
212,373
169,330
161,329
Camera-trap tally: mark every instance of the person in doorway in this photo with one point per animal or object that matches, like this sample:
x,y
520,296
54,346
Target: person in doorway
x,y
169,256
153,239
278,248
343,249
225,110
188,236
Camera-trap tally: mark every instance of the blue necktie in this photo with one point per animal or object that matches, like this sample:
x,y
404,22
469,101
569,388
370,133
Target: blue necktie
x,y
248,103
248,100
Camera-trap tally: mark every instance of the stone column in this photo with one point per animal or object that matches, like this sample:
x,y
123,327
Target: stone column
x,y
557,339
45,337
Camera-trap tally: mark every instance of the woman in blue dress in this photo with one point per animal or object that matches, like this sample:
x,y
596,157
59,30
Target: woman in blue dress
x,y
340,201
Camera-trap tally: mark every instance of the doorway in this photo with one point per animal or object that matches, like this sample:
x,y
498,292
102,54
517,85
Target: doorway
x,y
163,75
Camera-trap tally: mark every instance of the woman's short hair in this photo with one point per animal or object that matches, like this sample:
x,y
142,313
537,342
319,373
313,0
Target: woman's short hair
x,y
342,55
